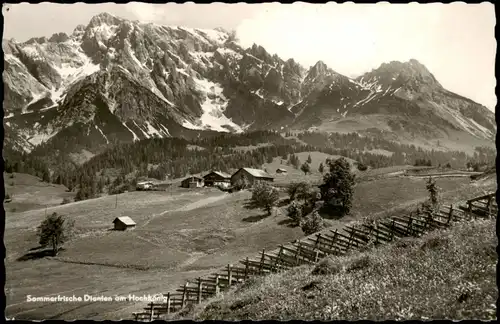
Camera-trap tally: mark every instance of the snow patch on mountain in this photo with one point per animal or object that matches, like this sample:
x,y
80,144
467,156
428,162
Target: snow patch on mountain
x,y
165,130
136,138
213,107
107,142
39,137
104,31
152,131
258,93
214,35
143,132
229,52
481,128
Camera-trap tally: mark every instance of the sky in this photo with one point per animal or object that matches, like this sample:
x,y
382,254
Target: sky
x,y
456,42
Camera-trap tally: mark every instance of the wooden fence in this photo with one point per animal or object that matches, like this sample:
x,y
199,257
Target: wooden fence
x,y
312,248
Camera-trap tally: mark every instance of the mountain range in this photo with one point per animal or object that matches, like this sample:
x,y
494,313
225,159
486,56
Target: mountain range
x,y
116,80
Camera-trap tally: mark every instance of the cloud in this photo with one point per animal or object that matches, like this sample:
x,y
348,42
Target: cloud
x,y
145,12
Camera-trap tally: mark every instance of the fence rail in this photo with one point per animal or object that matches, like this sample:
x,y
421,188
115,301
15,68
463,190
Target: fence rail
x,y
312,248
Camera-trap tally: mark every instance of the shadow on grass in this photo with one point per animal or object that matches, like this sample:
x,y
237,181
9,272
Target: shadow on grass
x,y
255,218
284,202
288,222
38,254
330,213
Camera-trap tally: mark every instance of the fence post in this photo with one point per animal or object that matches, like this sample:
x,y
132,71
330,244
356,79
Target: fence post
x,y
229,275
333,240
318,237
409,229
469,209
489,206
184,294
297,254
280,262
450,215
261,267
316,257
168,303
349,243
151,313
199,290
217,288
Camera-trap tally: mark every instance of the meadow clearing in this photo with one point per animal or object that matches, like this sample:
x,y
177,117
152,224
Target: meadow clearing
x,y
181,234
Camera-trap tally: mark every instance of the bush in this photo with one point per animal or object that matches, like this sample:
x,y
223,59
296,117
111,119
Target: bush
x,y
295,189
65,201
327,267
362,167
312,223
360,263
294,211
8,196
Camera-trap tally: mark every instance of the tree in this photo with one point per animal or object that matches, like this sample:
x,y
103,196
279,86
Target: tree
x,y
294,211
242,183
296,189
306,168
309,160
338,187
264,196
433,190
312,223
54,230
321,168
269,159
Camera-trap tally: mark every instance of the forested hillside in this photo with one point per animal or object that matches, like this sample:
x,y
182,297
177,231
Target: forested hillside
x,y
171,158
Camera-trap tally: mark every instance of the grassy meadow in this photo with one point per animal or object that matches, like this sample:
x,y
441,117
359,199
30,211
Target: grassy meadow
x,y
448,274
181,234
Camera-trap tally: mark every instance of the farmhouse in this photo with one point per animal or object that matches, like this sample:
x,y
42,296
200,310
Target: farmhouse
x,y
192,182
123,223
281,170
145,185
252,175
217,178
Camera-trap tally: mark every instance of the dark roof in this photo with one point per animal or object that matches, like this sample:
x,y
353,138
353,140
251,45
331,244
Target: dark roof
x,y
192,177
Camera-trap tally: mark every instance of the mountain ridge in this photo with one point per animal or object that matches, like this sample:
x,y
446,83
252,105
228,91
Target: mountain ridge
x,y
151,80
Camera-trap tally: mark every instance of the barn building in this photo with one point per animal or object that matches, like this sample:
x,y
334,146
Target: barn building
x,y
217,178
252,175
123,223
144,185
192,182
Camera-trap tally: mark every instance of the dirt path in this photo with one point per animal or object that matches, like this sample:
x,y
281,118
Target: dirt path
x,y
190,206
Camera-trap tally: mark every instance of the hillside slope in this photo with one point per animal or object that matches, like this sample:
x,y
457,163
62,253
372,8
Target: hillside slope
x,y
448,274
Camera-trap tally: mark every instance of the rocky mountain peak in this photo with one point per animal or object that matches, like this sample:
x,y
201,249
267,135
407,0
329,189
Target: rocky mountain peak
x,y
58,38
104,18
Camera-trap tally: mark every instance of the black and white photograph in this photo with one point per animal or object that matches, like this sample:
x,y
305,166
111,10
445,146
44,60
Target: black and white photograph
x,y
249,161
